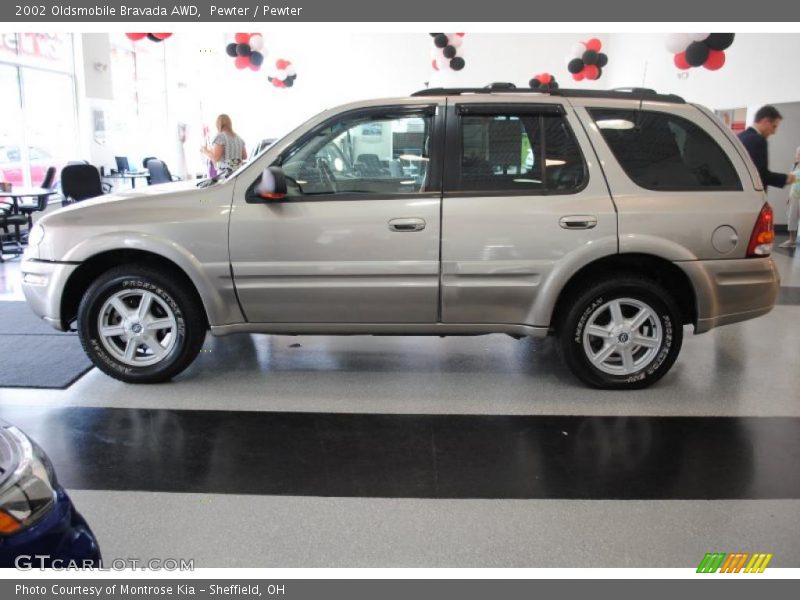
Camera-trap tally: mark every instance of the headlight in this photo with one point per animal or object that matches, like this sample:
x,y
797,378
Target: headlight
x,y
27,483
36,235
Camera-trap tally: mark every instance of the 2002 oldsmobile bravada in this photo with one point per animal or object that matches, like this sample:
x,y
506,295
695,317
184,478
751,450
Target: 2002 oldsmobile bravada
x,y
607,219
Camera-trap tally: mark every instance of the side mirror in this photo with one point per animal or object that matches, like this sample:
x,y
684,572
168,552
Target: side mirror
x,y
272,185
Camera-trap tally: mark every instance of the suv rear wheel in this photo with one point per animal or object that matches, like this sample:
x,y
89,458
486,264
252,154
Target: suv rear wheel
x,y
139,325
622,333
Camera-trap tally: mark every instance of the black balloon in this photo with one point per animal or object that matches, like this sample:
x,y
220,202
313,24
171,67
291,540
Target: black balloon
x,y
457,63
449,51
230,50
534,83
553,84
153,38
696,53
434,34
602,60
575,65
256,58
243,50
440,41
719,41
589,57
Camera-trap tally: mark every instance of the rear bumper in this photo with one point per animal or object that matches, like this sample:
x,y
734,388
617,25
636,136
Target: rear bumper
x,y
43,283
729,291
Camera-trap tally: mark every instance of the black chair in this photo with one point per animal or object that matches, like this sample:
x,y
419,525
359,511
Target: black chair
x,y
41,201
148,159
80,182
11,243
159,172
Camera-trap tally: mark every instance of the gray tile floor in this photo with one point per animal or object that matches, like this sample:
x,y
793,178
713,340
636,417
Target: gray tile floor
x,y
748,369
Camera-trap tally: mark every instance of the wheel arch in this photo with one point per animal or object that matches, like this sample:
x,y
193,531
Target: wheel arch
x,y
646,266
99,263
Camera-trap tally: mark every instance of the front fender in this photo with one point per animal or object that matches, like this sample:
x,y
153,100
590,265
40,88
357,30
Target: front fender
x,y
212,279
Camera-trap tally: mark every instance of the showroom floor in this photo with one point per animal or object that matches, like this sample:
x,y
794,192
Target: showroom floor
x,y
448,452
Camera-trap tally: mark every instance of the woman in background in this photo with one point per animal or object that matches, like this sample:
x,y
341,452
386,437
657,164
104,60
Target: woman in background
x,y
227,149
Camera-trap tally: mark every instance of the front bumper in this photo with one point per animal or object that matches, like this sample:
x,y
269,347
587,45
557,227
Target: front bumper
x,y
729,291
43,284
62,536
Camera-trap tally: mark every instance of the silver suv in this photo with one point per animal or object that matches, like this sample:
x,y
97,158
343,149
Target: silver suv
x,y
607,219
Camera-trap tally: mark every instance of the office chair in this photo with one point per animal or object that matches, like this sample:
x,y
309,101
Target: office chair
x,y
80,182
159,172
41,201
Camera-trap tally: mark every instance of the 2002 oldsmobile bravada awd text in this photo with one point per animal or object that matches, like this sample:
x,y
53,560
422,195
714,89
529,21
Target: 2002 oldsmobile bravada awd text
x,y
607,219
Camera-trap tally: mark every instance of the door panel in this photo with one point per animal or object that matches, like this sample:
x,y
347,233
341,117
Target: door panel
x,y
500,246
336,261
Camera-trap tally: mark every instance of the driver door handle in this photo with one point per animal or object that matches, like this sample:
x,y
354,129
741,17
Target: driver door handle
x,y
405,225
578,222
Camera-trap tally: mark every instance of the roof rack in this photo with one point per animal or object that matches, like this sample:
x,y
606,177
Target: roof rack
x,y
633,93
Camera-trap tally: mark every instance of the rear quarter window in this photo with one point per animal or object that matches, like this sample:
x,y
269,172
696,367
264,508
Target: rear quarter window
x,y
665,152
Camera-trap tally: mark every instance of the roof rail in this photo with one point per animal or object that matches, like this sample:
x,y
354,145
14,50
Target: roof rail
x,y
633,93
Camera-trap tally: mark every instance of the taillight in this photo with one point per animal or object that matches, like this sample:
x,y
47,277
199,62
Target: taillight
x,y
763,234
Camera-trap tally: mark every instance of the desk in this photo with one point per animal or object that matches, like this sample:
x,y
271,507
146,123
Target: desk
x,y
18,193
132,176
14,219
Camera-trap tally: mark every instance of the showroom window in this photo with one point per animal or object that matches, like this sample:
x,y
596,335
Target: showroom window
x,y
661,151
36,132
534,153
137,122
363,155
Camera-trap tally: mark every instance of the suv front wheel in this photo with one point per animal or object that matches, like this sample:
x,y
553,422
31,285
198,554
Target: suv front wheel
x,y
139,325
622,333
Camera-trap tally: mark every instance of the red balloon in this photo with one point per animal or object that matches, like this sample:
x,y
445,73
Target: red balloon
x,y
281,63
680,61
578,76
461,34
161,36
591,72
242,38
277,82
545,78
594,44
253,67
242,62
433,63
136,36
715,60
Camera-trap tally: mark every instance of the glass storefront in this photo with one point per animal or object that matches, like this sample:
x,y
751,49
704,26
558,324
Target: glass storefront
x,y
39,125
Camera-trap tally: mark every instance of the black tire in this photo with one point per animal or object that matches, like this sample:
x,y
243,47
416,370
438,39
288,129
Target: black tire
x,y
169,291
585,306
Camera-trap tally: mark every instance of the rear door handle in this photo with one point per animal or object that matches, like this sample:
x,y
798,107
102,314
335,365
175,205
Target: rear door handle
x,y
578,222
404,225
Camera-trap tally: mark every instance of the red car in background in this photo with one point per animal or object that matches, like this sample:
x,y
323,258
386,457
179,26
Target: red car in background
x,y
12,168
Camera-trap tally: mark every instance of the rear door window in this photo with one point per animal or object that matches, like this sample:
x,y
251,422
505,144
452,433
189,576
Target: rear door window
x,y
523,152
665,152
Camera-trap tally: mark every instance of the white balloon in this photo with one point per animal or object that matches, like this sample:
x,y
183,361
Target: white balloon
x,y
676,42
455,40
290,70
443,63
578,50
257,42
698,37
281,74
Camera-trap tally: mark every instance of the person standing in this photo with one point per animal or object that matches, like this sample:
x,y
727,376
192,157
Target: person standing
x,y
793,206
227,149
754,139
